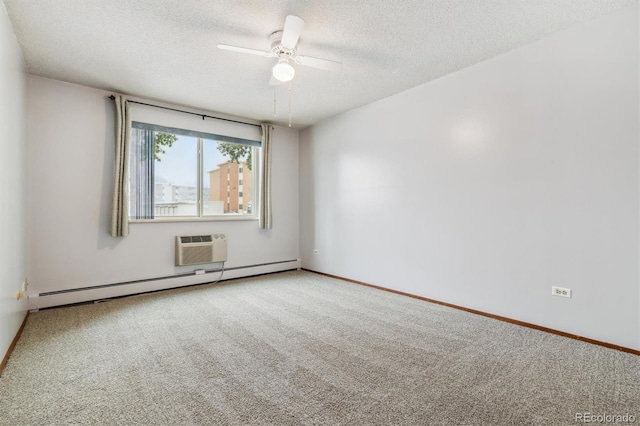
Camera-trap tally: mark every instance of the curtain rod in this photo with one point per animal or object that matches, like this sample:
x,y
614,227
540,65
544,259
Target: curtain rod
x,y
113,98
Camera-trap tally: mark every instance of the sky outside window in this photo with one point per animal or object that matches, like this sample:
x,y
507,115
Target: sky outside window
x,y
179,164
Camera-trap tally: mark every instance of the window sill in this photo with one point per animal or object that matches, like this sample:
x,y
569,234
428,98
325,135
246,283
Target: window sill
x,y
243,217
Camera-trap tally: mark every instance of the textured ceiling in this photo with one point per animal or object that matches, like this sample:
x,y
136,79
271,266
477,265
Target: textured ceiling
x,y
166,49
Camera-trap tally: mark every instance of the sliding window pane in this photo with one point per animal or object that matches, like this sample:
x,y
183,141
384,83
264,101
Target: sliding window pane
x,y
227,178
176,175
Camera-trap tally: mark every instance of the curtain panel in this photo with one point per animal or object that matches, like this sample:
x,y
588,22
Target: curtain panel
x,y
120,209
265,219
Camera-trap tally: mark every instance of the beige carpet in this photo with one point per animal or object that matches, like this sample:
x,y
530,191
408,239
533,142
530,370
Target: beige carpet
x,y
298,348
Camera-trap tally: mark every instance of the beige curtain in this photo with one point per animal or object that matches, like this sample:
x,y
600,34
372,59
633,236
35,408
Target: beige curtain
x,y
265,221
120,212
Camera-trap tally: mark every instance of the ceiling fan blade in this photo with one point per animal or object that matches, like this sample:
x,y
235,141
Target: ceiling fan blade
x,y
291,33
323,64
245,50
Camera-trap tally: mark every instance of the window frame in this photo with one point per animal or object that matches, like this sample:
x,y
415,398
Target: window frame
x,y
200,135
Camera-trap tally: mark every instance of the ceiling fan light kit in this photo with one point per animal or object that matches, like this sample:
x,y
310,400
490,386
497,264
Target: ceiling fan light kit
x,y
283,71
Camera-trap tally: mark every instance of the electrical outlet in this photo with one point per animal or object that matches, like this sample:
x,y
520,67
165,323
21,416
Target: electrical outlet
x,y
561,291
24,286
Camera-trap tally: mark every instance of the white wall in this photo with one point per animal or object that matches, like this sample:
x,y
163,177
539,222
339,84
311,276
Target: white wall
x,y
71,137
488,186
13,149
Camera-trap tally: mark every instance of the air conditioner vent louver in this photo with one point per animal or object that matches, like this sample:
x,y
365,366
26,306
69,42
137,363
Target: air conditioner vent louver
x,y
197,239
200,249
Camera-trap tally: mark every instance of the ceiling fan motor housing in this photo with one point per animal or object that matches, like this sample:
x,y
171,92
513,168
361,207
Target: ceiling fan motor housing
x,y
277,48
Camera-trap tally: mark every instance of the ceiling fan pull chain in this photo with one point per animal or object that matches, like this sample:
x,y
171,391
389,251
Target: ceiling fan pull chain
x,y
275,114
289,104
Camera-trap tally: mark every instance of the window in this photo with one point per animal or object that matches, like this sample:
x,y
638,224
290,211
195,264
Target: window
x,y
176,173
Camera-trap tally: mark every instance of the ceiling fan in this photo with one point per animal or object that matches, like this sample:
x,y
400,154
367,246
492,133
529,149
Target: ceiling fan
x,y
283,47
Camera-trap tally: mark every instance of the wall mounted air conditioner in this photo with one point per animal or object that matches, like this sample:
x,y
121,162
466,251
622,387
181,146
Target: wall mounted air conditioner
x,y
199,249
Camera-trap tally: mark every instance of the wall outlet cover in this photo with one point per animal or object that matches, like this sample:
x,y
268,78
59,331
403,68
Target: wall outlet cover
x,y
561,291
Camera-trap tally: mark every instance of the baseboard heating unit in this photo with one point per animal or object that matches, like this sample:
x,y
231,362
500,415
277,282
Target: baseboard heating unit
x,y
127,288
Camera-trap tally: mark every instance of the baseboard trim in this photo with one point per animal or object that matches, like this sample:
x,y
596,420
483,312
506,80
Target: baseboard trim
x,y
485,314
13,344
